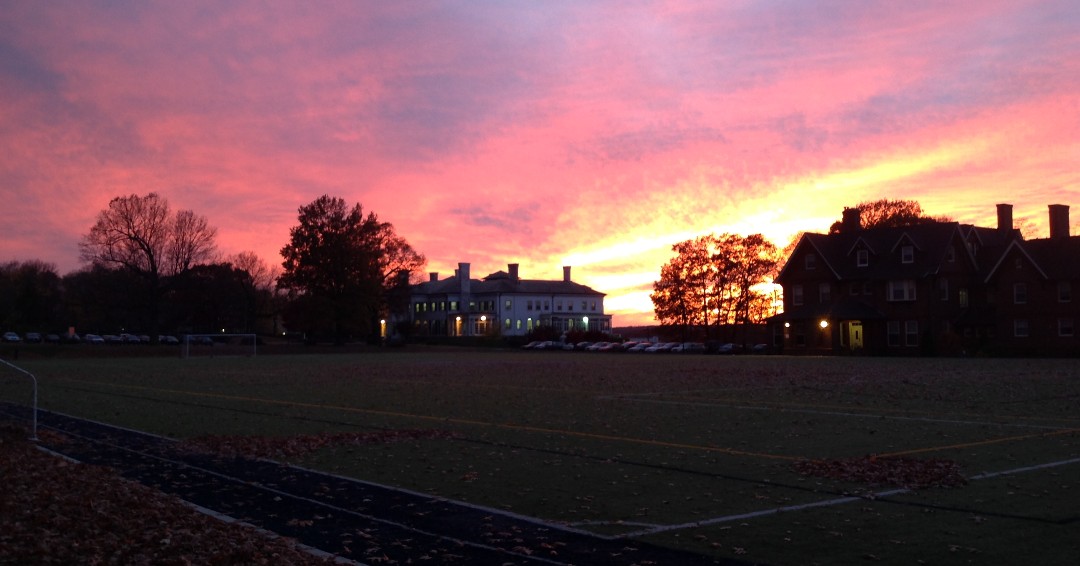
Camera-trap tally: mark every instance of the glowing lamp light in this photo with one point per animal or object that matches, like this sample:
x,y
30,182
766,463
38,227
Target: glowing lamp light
x,y
787,325
823,324
483,318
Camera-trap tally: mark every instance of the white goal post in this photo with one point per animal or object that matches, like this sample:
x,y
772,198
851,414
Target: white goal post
x,y
218,345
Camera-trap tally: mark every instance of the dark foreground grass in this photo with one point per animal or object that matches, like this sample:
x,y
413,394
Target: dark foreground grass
x,y
693,452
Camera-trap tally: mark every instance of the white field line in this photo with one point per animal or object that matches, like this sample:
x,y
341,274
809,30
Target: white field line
x,y
336,508
830,502
829,413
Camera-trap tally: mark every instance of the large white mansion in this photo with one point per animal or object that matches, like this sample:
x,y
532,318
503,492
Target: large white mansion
x,y
503,304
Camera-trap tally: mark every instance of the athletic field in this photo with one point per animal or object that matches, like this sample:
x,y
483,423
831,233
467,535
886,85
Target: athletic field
x,y
764,459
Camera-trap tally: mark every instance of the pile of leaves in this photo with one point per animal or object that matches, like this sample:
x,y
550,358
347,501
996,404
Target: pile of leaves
x,y
910,473
53,511
291,447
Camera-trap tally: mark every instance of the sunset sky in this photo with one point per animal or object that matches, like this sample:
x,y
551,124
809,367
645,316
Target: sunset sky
x,y
545,133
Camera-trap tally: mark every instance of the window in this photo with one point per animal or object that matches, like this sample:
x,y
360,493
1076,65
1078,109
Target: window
x,y
558,305
1020,293
867,288
507,325
528,305
1064,292
584,305
796,295
862,258
442,305
519,324
911,333
1065,327
824,293
1020,328
592,306
963,297
902,290
907,254
800,334
547,305
811,262
943,289
950,254
508,304
453,305
894,332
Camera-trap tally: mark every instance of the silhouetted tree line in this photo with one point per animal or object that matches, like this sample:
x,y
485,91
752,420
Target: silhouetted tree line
x,y
152,271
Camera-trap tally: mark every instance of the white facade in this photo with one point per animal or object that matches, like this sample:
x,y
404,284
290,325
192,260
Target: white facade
x,y
504,304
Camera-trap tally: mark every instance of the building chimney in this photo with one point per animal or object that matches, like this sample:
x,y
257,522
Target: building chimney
x,y
1059,221
851,220
1005,218
433,276
566,273
464,281
513,272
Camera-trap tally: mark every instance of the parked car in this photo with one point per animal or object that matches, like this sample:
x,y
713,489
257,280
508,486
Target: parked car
x,y
726,349
33,337
167,339
52,338
12,337
612,347
640,347
660,347
690,347
595,347
93,339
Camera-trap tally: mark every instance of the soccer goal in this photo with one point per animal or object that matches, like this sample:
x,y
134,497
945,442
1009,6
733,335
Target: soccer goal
x,y
218,345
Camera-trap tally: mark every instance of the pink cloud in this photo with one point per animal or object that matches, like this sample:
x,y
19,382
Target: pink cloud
x,y
497,133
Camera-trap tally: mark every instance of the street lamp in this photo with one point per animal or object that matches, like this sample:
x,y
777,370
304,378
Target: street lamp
x,y
823,324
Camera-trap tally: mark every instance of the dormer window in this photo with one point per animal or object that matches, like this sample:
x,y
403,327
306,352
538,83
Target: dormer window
x,y
811,262
907,254
862,258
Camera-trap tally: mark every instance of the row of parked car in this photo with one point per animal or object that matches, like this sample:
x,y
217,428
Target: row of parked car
x,y
37,338
648,347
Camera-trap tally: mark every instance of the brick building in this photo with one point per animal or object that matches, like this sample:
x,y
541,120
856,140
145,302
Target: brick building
x,y
935,288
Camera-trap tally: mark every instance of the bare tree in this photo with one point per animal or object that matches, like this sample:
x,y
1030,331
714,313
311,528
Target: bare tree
x,y
140,234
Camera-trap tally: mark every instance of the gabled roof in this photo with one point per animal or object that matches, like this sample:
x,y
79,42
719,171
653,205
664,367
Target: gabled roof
x,y
836,250
1055,259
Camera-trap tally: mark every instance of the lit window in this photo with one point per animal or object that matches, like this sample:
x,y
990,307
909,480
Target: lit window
x,y
907,254
811,262
508,304
911,333
963,297
453,305
862,258
796,295
1020,293
507,325
1064,292
902,290
1020,328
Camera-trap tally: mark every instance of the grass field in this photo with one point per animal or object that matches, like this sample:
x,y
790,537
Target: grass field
x,y
696,452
